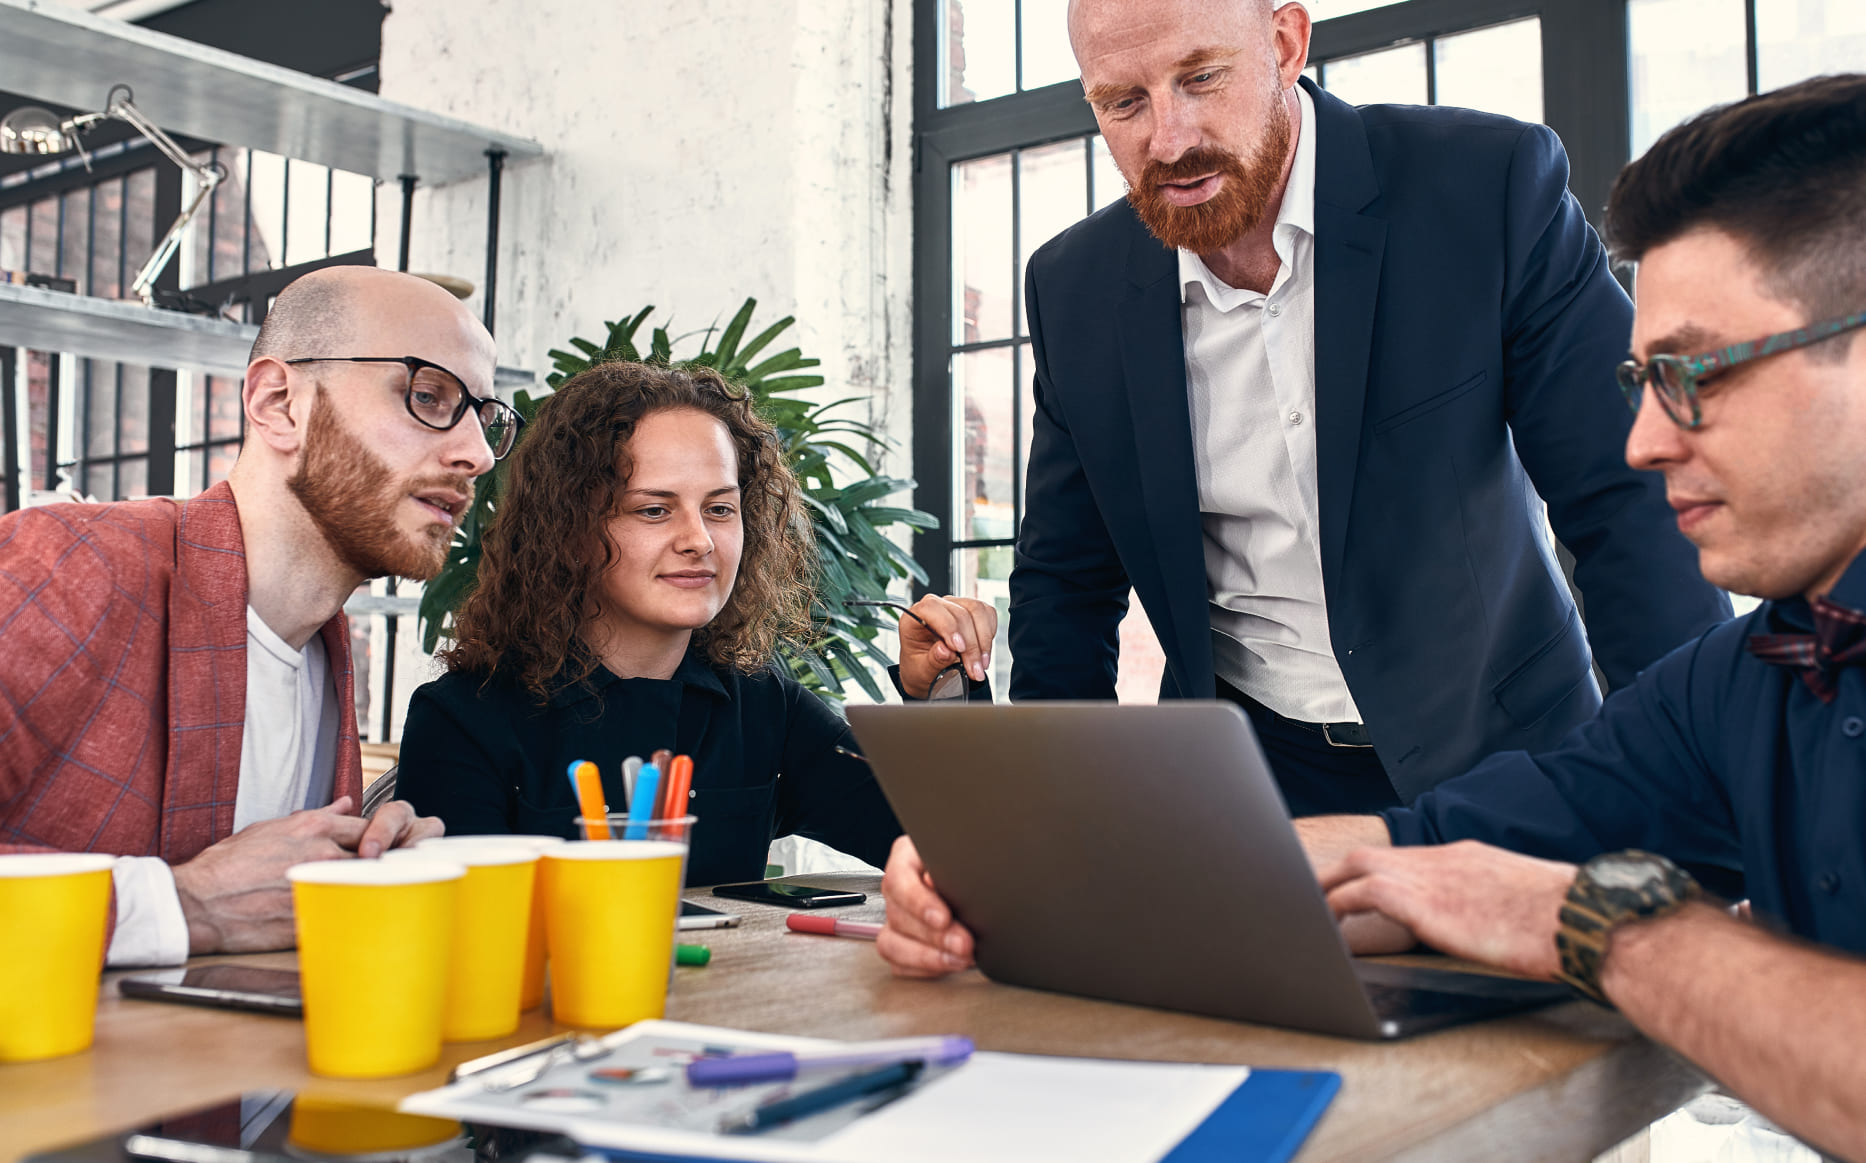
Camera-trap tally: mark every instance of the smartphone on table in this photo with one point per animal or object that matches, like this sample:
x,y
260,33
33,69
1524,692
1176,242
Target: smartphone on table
x,y
790,896
694,916
237,987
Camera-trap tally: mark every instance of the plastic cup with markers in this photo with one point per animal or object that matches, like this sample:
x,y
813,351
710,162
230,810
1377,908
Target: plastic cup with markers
x,y
611,907
373,944
54,910
532,994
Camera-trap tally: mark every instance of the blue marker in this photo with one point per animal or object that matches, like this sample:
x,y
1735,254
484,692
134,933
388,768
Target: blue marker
x,y
571,771
641,805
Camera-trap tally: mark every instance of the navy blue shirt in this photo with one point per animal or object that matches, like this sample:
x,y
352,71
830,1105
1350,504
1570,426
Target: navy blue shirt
x,y
486,758
1712,757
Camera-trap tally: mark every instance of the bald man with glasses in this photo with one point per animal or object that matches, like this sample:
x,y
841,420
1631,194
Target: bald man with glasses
x,y
175,676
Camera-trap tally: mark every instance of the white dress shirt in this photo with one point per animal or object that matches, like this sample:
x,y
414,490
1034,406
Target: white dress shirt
x,y
288,761
1250,377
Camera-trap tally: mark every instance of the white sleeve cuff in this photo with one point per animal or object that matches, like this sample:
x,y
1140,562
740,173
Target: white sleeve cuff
x,y
150,927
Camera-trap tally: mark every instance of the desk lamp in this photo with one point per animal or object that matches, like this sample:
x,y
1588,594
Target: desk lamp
x,y
32,131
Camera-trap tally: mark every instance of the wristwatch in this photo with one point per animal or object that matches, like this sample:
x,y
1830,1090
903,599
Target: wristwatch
x,y
1609,891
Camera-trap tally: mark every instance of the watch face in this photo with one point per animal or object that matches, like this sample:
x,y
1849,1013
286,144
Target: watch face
x,y
1627,873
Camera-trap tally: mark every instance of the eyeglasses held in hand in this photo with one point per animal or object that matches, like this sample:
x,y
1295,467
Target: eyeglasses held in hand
x,y
1676,380
439,398
949,683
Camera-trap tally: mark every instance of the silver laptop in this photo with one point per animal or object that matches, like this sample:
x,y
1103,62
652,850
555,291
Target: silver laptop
x,y
1143,854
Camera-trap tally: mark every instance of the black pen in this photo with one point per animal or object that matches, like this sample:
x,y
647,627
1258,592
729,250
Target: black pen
x,y
823,1098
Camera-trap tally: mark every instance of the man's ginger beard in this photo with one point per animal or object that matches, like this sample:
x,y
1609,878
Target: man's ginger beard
x,y
1243,195
351,496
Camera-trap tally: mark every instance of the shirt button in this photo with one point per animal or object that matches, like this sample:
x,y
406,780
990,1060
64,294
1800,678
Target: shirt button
x,y
1853,726
1275,310
1296,418
1830,882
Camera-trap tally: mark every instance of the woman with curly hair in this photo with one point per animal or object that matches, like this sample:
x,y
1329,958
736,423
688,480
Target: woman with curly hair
x,y
645,560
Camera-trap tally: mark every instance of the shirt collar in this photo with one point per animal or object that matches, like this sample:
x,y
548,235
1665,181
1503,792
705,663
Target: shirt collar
x,y
693,671
1794,614
1295,215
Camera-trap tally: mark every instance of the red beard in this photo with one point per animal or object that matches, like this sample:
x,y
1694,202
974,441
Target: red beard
x,y
351,496
1243,194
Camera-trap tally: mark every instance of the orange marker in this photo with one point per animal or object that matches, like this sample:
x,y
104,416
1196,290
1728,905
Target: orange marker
x,y
679,782
590,798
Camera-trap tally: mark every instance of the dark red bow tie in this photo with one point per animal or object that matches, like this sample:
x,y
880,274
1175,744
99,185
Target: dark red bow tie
x,y
1839,639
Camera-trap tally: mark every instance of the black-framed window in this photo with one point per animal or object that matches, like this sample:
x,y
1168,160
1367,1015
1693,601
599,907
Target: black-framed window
x,y
1004,161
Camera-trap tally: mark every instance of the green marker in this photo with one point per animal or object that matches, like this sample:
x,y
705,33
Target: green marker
x,y
692,955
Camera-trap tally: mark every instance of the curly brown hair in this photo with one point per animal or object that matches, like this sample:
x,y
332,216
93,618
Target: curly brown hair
x,y
547,546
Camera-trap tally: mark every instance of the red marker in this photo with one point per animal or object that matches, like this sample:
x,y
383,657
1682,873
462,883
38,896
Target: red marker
x,y
831,927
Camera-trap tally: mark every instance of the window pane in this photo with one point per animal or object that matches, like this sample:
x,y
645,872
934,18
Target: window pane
x,y
983,266
1392,75
73,259
44,241
1052,195
1686,55
1110,186
133,410
139,229
352,212
224,417
132,479
220,460
266,231
1796,39
985,574
101,412
981,50
308,209
1498,70
1047,56
983,386
107,239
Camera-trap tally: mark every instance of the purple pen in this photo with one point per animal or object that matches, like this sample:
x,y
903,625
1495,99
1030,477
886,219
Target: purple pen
x,y
744,1069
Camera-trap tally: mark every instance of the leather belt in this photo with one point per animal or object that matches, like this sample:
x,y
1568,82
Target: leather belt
x,y
1337,734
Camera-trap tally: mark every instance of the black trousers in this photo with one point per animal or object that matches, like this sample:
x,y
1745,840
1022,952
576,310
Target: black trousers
x,y
1316,777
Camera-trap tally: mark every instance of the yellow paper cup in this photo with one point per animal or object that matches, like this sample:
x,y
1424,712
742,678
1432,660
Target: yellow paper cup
x,y
533,993
373,938
610,911
486,961
54,908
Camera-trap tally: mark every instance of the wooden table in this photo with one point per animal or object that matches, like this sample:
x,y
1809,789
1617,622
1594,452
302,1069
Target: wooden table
x,y
1563,1084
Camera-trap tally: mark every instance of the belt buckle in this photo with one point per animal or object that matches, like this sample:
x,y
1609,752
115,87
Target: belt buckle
x,y
1346,735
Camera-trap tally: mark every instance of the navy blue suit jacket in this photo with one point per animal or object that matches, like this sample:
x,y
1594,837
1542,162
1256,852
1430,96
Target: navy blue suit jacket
x,y
1467,326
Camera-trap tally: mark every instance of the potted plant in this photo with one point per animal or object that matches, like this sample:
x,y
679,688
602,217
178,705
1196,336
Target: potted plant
x,y
854,558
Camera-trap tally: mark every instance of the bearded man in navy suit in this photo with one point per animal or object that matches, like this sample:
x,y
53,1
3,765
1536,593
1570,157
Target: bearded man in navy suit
x,y
1307,391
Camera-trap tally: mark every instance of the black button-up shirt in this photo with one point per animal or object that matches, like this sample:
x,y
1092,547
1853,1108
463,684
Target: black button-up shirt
x,y
486,758
1712,757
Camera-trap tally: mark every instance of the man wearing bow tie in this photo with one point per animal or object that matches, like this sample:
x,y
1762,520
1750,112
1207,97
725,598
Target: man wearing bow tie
x,y
1744,749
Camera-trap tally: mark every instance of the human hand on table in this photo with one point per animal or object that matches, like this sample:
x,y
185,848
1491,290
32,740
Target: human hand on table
x,y
920,938
1466,899
234,895
947,630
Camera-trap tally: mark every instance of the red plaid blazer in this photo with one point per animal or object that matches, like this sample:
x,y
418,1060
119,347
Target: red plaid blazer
x,y
123,677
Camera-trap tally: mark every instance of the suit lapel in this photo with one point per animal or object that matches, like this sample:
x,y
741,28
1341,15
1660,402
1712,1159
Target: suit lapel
x,y
1349,246
348,779
1153,364
207,675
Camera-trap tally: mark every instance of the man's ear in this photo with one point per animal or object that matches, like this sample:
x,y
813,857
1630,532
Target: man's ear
x,y
1290,25
267,398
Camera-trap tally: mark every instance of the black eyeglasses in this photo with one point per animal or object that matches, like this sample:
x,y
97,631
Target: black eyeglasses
x,y
1674,380
949,684
439,398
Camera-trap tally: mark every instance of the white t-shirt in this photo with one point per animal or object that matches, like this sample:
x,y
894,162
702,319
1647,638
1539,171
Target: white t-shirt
x,y
288,761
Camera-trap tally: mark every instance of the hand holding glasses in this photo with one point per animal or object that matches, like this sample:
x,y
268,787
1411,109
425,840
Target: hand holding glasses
x,y
966,632
439,399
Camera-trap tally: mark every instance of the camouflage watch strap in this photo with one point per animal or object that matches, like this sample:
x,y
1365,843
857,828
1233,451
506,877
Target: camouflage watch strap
x,y
1593,910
